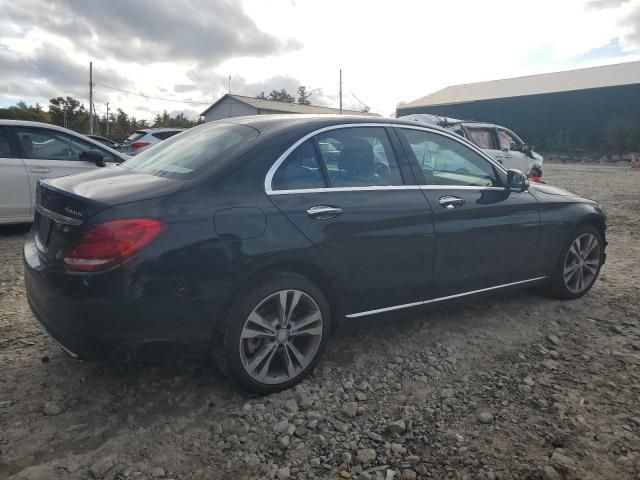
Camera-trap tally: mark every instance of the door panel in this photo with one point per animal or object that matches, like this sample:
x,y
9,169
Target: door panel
x,y
486,235
344,190
15,195
488,239
381,243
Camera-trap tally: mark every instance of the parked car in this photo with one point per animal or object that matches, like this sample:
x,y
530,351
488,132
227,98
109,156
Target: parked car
x,y
140,140
106,141
247,239
502,144
33,151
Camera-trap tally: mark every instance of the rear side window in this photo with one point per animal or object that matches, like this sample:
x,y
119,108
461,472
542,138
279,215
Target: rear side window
x,y
165,135
199,149
359,157
483,138
300,170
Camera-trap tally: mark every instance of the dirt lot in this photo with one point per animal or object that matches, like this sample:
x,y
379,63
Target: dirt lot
x,y
512,386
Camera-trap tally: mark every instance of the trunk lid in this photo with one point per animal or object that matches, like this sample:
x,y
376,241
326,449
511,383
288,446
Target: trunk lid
x,y
63,205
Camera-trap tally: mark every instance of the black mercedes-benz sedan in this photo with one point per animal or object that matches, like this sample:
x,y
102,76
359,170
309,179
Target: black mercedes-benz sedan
x,y
253,238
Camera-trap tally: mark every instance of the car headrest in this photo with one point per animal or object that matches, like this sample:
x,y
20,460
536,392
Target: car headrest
x,y
356,156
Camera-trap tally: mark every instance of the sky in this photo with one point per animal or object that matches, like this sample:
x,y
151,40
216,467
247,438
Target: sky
x,y
184,51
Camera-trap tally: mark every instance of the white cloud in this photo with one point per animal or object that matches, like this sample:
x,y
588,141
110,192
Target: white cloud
x,y
389,51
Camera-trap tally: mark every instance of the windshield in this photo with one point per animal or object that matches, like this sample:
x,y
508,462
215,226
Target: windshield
x,y
187,154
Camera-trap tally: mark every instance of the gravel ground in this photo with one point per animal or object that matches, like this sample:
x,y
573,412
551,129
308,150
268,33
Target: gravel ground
x,y
507,387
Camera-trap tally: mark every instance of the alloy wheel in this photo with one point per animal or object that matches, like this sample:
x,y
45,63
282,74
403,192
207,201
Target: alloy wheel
x,y
281,337
582,263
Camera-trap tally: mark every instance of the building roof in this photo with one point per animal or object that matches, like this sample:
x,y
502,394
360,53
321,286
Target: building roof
x,y
283,107
581,79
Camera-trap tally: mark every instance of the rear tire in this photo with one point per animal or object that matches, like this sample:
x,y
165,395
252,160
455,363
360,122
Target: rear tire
x,y
579,264
273,333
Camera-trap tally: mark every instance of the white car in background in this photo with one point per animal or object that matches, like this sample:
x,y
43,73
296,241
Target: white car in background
x,y
32,151
497,141
140,140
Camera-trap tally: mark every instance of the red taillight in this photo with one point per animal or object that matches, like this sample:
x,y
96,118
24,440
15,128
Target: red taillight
x,y
139,144
110,243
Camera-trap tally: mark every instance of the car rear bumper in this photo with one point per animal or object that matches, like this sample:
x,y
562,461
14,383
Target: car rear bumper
x,y
111,315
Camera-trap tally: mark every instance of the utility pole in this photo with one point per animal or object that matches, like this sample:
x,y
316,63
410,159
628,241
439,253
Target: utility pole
x,y
107,135
229,84
90,98
340,91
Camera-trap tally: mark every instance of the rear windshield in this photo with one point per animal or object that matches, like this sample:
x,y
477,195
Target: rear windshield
x,y
165,135
135,136
193,151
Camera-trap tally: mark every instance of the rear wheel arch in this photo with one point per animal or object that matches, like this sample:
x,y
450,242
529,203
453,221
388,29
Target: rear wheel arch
x,y
251,295
325,281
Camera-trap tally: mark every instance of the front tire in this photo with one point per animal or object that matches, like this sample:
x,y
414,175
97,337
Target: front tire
x,y
273,334
579,264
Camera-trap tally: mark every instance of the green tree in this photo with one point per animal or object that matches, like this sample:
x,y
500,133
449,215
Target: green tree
x,y
261,96
303,95
22,111
71,110
281,96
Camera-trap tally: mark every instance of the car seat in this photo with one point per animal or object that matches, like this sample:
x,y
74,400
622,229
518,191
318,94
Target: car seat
x,y
356,165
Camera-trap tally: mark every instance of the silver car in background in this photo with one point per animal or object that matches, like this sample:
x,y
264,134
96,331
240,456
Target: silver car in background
x,y
33,151
140,140
499,142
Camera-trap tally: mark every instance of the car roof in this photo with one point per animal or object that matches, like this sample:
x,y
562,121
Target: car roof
x,y
267,122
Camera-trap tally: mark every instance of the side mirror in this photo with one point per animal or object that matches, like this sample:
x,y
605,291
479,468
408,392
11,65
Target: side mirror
x,y
517,181
93,156
527,150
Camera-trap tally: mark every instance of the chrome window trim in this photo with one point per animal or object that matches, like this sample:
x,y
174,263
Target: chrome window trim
x,y
57,217
440,299
383,187
345,189
272,170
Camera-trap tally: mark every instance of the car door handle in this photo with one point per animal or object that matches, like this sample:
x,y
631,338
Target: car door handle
x,y
323,212
40,170
449,201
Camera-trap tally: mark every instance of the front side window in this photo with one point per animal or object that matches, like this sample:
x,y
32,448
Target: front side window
x,y
198,149
300,170
359,157
445,161
483,138
43,144
508,141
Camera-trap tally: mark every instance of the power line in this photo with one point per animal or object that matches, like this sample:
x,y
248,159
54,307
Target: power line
x,y
150,96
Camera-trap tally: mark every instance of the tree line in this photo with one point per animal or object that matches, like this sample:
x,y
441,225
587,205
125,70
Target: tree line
x,y
71,113
303,97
